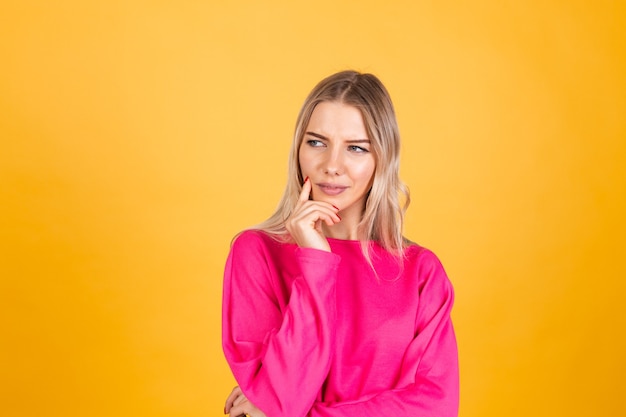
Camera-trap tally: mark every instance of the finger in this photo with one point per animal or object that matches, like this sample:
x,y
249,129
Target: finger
x,y
240,400
306,191
239,410
309,221
315,210
325,204
308,214
235,393
247,409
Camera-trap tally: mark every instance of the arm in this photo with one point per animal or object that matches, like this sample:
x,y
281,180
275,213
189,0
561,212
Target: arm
x,y
429,381
279,354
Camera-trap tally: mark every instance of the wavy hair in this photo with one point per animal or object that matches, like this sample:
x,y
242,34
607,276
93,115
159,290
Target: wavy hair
x,y
383,215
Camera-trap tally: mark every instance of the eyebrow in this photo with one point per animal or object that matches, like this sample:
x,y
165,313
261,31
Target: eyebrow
x,y
317,135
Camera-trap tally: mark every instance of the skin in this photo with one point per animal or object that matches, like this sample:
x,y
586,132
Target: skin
x,y
336,157
238,405
338,164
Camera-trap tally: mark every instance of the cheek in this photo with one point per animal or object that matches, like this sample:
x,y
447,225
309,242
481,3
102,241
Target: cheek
x,y
302,162
366,172
304,167
307,162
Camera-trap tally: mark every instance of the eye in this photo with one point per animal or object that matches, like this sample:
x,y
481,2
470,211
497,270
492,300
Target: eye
x,y
357,149
315,143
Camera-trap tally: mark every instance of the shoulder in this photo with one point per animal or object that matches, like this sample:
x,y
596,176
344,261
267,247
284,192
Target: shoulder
x,y
425,264
254,239
249,237
251,253
415,253
258,244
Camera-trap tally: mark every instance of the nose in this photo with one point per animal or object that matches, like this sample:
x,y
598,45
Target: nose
x,y
333,165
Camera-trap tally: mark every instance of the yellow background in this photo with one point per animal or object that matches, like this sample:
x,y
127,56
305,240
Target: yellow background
x,y
137,137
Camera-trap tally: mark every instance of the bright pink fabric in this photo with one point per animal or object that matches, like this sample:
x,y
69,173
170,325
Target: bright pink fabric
x,y
313,333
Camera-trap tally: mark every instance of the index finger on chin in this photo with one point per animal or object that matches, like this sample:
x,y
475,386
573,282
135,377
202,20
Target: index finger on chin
x,y
306,190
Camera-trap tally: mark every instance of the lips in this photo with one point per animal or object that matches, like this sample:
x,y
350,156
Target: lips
x,y
331,189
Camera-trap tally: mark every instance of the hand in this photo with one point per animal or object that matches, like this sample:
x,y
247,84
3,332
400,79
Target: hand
x,y
238,405
305,223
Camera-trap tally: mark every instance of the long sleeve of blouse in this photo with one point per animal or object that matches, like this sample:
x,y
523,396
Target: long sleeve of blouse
x,y
278,344
312,333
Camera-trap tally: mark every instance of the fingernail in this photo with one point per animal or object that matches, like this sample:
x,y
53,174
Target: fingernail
x,y
336,208
306,179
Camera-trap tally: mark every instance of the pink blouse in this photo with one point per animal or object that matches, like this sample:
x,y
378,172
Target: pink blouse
x,y
314,333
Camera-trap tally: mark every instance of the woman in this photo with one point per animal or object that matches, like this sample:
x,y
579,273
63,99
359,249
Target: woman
x,y
328,310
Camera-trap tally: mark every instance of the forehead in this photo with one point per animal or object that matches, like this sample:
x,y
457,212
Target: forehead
x,y
337,121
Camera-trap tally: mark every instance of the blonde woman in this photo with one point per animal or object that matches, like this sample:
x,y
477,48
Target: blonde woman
x,y
328,310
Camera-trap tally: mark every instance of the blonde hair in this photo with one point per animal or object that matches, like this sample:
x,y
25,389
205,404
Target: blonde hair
x,y
383,215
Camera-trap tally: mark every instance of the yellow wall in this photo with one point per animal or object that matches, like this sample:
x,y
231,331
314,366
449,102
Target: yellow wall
x,y
138,136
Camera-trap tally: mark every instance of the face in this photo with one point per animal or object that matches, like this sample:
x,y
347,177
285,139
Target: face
x,y
336,154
